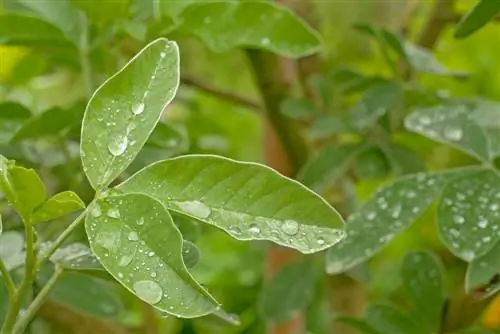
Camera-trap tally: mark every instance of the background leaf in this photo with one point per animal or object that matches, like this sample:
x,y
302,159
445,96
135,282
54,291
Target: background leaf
x,y
12,117
480,15
387,319
125,109
482,271
247,200
136,241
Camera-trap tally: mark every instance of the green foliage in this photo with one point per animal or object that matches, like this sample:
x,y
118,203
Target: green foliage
x,y
483,11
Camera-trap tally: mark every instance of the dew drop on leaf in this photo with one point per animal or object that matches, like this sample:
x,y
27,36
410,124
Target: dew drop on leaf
x,y
118,145
125,260
290,227
148,291
95,210
195,208
132,236
453,133
138,108
113,213
320,241
254,229
140,221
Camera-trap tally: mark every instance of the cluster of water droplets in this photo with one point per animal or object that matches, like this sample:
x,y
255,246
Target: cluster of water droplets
x,y
437,124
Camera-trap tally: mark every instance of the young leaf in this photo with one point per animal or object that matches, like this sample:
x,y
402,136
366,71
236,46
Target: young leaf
x,y
326,166
75,256
264,25
387,319
468,215
423,280
123,112
136,241
288,293
390,210
482,273
190,254
57,206
247,200
451,125
482,13
22,187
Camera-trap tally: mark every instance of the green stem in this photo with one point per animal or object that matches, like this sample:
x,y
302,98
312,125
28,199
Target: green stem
x,y
58,242
84,57
37,303
156,10
24,288
11,287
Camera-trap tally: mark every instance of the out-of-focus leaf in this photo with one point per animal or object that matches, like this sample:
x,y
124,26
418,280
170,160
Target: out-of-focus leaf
x,y
388,319
123,112
422,60
452,125
288,293
299,108
247,200
58,206
486,113
483,273
49,123
390,210
18,29
372,164
469,214
359,325
76,257
11,249
483,12
22,187
327,165
103,12
225,25
423,280
12,117
403,160
190,254
60,13
136,241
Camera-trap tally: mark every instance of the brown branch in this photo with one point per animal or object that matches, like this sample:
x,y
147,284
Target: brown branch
x,y
217,92
442,14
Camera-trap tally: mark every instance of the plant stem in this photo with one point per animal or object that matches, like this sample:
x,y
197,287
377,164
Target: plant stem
x,y
84,57
37,303
11,287
60,239
29,275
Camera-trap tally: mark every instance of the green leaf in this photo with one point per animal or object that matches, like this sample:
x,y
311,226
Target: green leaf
x,y
422,60
247,200
76,256
123,112
102,12
136,241
58,206
422,275
483,12
372,164
359,325
59,13
328,165
468,215
12,117
86,294
52,123
452,125
18,29
190,254
225,25
487,114
288,293
298,108
22,187
482,273
387,319
11,249
403,160
390,210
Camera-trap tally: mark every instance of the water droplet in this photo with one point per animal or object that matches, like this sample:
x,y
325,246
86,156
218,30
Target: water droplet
x,y
290,227
371,215
140,221
482,223
118,145
151,254
120,275
132,236
425,120
254,229
153,274
138,108
494,206
148,291
453,133
195,208
95,210
125,260
264,41
458,219
113,213
162,55
320,241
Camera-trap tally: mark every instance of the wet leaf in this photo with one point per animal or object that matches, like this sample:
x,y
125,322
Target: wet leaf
x,y
328,165
482,273
136,241
225,25
58,206
483,12
388,212
288,292
22,187
468,215
247,200
422,275
451,125
76,256
123,112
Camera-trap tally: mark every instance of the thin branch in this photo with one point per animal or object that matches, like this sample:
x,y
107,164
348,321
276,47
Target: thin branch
x,y
442,14
11,287
225,95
